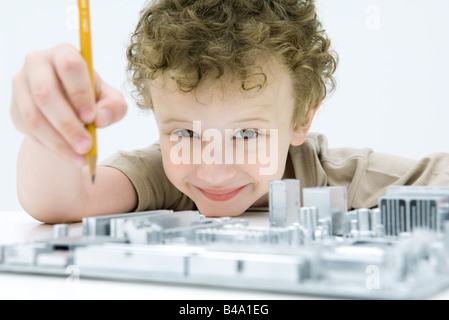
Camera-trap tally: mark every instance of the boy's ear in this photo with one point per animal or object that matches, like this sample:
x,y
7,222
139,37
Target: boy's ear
x,y
300,132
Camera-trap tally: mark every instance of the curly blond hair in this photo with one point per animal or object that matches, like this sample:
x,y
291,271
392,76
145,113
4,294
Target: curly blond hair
x,y
197,40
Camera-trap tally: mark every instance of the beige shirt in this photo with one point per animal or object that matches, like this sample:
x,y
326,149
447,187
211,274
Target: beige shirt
x,y
365,174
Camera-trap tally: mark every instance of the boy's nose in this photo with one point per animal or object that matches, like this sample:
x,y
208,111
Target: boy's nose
x,y
216,174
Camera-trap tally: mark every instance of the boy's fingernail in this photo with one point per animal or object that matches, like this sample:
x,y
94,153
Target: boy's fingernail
x,y
86,114
104,118
82,144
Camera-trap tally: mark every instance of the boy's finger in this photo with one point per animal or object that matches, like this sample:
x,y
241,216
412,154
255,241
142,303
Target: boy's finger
x,y
111,106
31,122
49,98
47,136
36,126
17,93
73,74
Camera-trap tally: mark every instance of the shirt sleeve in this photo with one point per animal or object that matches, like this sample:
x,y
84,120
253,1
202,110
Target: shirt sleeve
x,y
145,171
367,174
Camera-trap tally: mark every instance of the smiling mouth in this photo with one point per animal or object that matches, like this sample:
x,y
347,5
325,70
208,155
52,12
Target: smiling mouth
x,y
220,195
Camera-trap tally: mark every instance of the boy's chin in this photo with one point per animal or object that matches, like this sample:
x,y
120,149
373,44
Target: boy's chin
x,y
220,210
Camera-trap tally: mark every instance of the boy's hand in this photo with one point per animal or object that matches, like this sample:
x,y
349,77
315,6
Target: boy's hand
x,y
52,100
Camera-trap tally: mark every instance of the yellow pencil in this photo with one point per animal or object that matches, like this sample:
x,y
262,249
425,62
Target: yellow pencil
x,y
86,52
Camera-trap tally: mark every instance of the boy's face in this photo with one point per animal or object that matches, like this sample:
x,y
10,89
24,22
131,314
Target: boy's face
x,y
220,145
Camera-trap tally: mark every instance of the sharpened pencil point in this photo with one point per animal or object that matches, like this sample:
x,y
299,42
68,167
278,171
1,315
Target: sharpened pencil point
x,y
91,161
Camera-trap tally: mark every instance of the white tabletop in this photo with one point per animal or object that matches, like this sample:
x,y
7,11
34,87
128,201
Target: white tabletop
x,y
16,227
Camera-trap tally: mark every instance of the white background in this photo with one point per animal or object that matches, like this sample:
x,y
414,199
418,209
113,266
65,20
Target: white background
x,y
392,78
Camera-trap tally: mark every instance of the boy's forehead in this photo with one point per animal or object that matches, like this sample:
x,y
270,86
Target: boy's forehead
x,y
165,90
269,107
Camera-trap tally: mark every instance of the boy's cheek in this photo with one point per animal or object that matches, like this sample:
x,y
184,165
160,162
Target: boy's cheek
x,y
174,172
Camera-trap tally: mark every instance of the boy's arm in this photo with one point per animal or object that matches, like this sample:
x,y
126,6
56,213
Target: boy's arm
x,y
51,103
55,191
365,173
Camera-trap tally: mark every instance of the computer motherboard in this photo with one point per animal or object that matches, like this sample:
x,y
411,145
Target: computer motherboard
x,y
399,250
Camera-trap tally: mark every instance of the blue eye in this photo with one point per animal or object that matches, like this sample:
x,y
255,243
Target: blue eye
x,y
185,133
246,134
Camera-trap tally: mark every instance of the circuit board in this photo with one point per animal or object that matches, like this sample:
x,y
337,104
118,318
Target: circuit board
x,y
399,250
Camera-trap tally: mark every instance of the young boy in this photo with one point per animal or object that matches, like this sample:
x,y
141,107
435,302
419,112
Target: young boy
x,y
234,86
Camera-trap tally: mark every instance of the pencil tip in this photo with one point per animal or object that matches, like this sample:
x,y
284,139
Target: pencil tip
x,y
93,179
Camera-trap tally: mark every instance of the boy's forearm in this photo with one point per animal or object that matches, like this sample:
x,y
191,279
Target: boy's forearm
x,y
49,188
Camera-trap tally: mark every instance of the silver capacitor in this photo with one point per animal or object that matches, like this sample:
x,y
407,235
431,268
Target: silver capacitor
x,y
331,203
284,202
308,218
